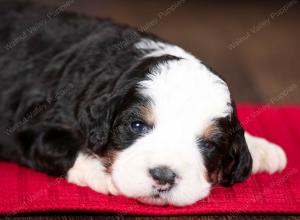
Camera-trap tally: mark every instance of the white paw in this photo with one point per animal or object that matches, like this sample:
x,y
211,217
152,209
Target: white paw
x,y
267,157
89,171
273,158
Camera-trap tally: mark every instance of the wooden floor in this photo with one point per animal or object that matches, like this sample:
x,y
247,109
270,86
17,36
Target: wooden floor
x,y
254,46
262,65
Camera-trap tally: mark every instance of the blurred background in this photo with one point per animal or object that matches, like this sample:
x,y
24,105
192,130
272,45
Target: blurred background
x,y
255,46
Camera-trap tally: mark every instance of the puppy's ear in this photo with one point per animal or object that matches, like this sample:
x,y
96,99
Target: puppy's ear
x,y
99,128
99,115
237,164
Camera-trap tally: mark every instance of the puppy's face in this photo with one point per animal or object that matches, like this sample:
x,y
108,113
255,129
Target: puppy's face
x,y
175,135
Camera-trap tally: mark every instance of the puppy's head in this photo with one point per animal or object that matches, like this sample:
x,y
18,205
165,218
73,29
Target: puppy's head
x,y
171,132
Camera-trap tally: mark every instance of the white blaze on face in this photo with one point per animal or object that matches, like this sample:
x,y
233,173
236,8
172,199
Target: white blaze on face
x,y
185,97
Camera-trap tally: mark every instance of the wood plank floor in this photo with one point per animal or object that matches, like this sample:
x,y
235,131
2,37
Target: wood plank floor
x,y
265,59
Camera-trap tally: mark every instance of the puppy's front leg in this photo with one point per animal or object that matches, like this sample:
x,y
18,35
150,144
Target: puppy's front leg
x,y
89,171
266,156
59,151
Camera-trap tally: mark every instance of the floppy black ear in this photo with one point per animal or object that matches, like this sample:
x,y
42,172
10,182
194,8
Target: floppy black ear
x,y
237,164
101,116
98,116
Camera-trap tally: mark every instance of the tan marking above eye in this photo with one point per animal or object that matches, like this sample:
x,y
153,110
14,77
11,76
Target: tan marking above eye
x,y
210,131
148,115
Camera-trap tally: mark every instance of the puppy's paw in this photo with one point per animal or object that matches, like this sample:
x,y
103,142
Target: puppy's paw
x,y
101,184
273,158
267,156
89,171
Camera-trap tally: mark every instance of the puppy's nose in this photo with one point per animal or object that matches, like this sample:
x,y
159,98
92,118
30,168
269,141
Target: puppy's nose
x,y
163,175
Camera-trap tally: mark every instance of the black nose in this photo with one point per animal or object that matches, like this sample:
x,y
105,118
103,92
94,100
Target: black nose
x,y
163,175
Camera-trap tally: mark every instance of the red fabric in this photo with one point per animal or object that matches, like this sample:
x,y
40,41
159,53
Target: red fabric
x,y
25,190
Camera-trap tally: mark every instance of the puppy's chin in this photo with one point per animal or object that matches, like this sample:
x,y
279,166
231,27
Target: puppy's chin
x,y
170,198
153,200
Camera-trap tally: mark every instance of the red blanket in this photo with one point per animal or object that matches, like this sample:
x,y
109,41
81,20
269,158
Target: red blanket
x,y
25,190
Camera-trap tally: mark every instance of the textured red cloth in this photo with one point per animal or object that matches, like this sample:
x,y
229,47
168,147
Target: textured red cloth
x,y
25,190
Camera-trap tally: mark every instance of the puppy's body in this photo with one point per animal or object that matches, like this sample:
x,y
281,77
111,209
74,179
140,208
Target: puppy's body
x,y
119,111
51,76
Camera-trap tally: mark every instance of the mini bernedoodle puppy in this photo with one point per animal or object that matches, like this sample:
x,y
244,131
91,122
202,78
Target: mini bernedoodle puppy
x,y
118,110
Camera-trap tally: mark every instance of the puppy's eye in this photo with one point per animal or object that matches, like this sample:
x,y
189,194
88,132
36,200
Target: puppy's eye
x,y
210,145
139,127
207,144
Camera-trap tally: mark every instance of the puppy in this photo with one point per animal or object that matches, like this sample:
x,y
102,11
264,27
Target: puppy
x,y
118,110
